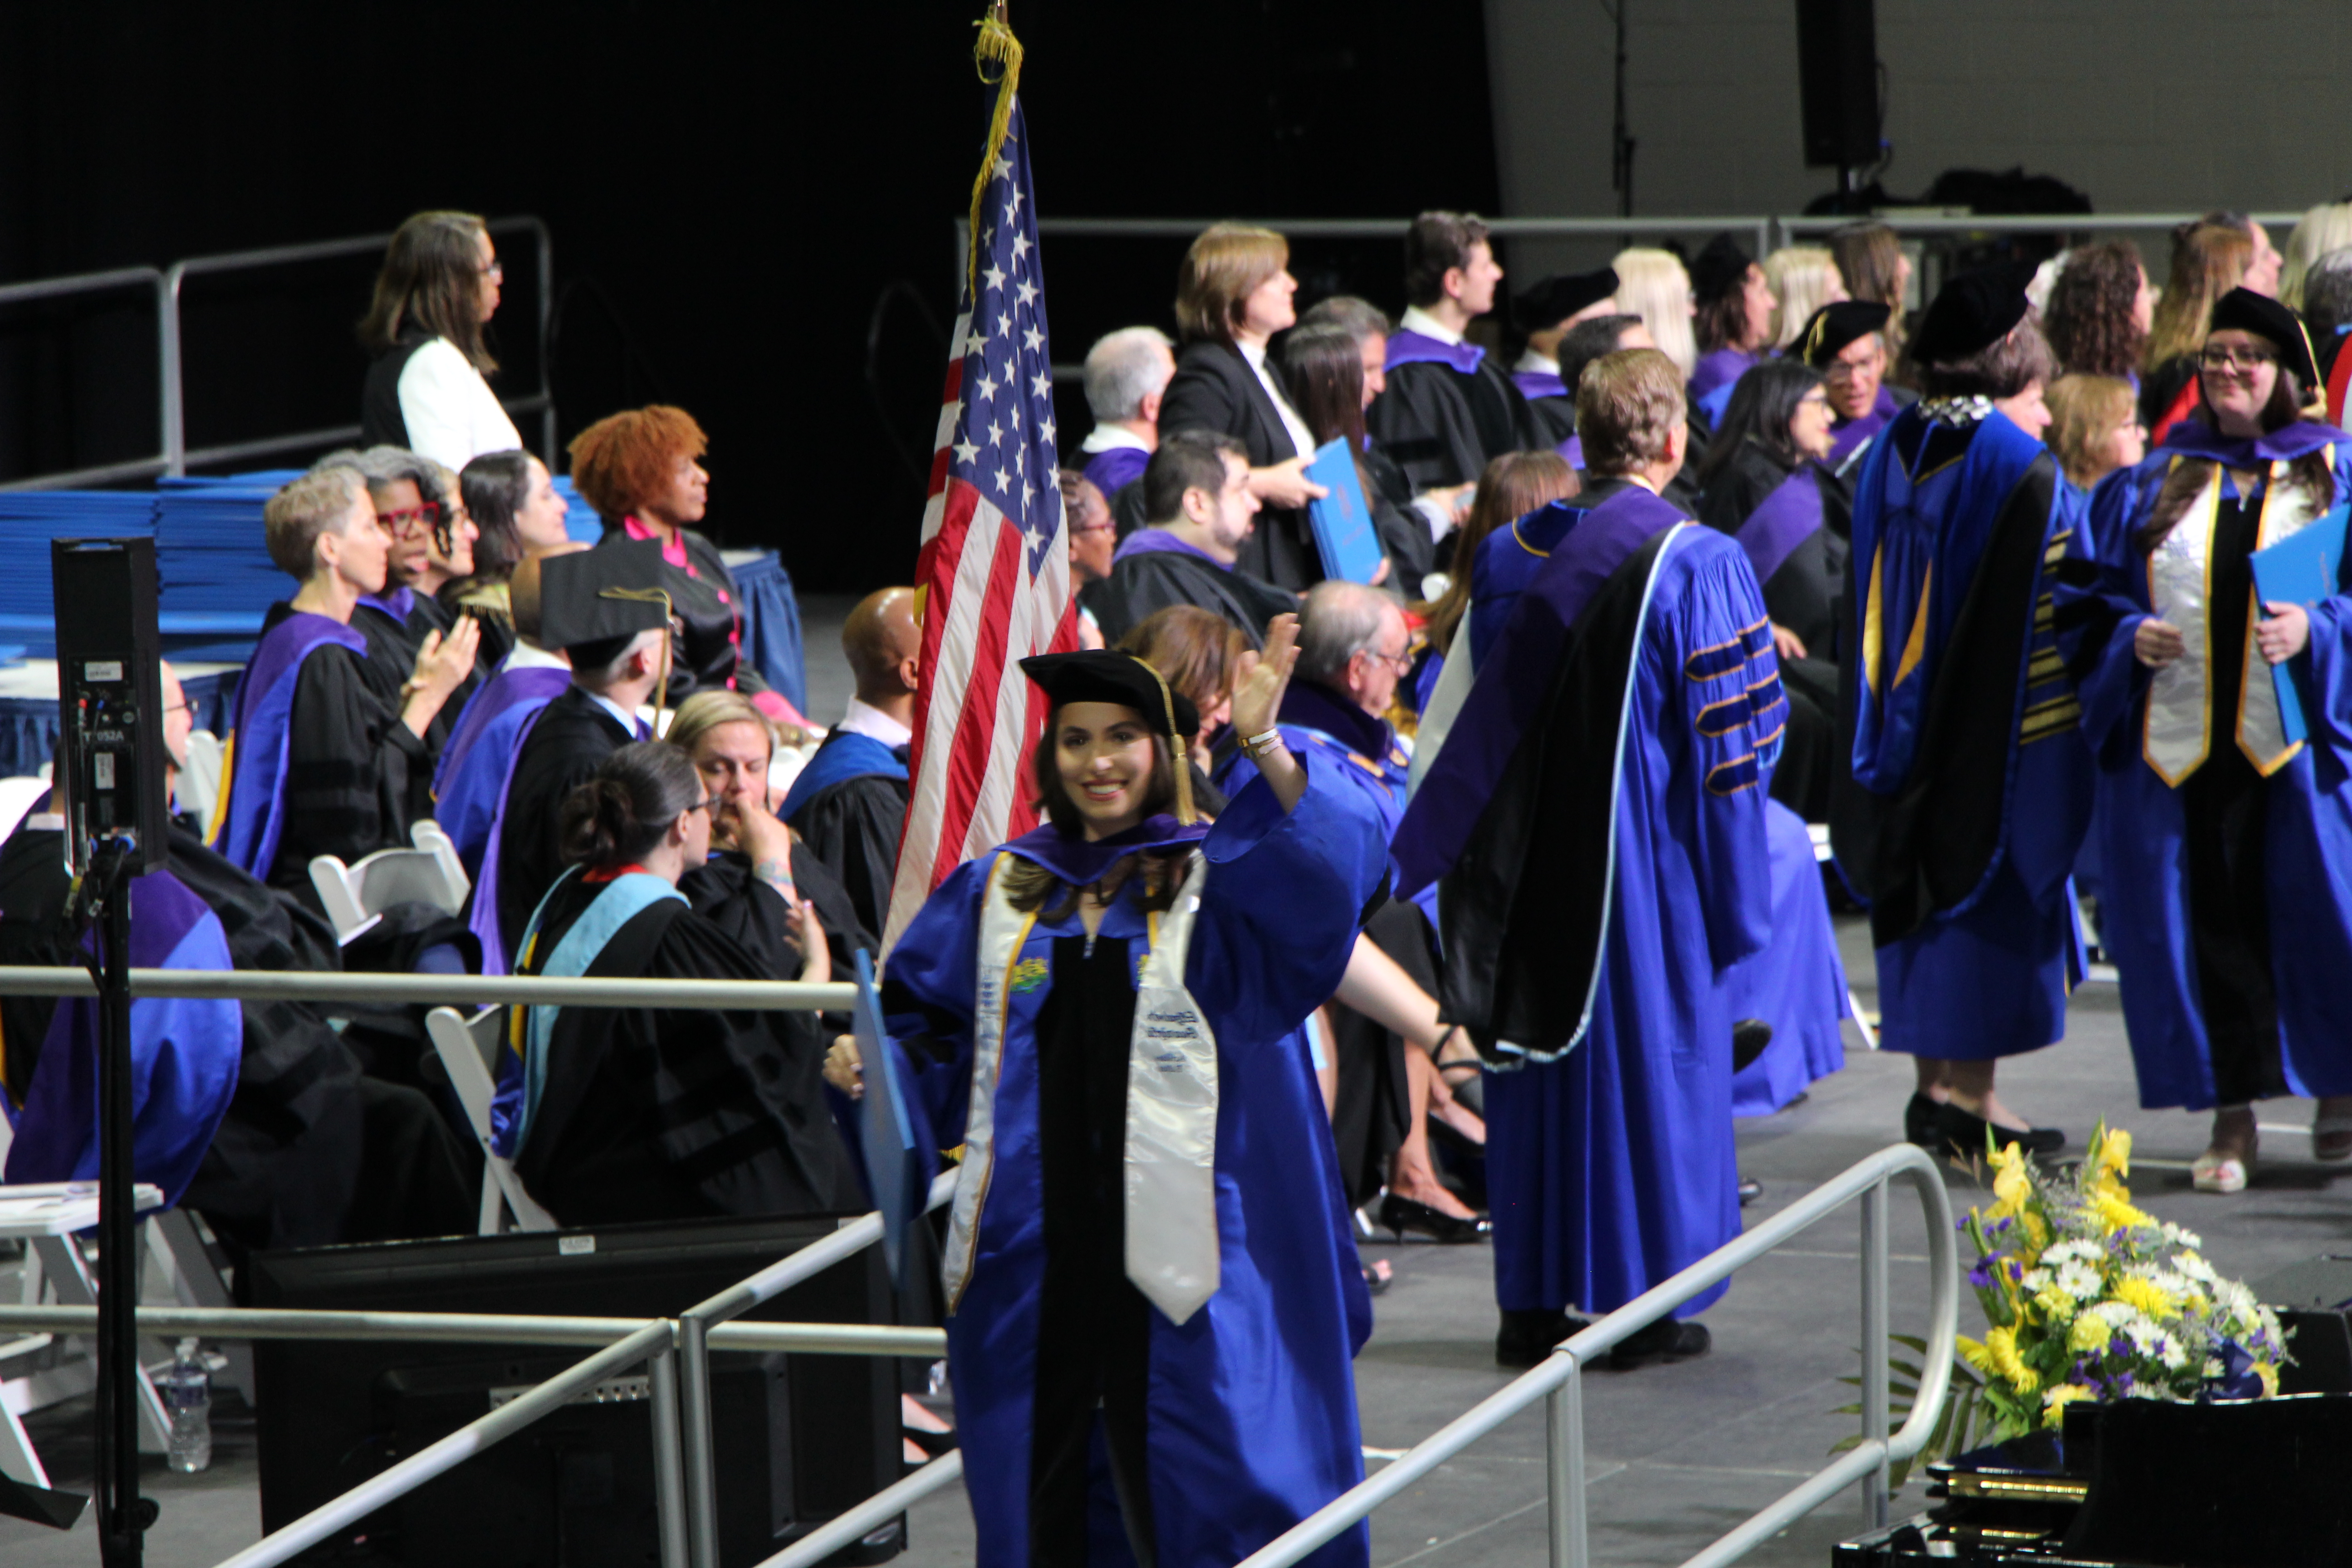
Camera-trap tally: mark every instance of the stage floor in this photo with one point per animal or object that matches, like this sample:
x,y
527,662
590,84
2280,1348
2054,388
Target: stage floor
x,y
1676,1454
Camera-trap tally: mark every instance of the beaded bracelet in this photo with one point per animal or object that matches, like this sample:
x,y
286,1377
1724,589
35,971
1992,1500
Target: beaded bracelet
x,y
1260,744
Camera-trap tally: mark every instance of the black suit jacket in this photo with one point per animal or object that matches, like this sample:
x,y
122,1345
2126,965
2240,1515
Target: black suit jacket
x,y
1214,389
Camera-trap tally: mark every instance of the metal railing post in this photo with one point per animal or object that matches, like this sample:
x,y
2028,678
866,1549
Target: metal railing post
x,y
669,1479
169,396
694,1427
1874,1429
1564,1469
546,356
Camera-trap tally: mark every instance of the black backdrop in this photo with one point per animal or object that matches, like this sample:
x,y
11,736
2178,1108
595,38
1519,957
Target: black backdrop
x,y
731,190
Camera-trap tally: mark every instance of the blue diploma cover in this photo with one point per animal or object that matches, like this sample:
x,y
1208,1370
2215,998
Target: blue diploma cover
x,y
894,1166
2301,569
1342,522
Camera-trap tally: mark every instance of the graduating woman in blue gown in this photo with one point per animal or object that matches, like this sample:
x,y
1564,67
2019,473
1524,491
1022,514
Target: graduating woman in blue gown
x,y
2226,846
1153,1295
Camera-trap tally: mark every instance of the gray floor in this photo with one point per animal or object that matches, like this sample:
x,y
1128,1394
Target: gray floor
x,y
1678,1454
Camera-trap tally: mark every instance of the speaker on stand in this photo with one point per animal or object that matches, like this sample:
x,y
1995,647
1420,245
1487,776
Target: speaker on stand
x,y
1837,82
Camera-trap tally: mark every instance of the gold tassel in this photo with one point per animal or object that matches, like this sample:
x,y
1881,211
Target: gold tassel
x,y
997,46
1179,756
650,596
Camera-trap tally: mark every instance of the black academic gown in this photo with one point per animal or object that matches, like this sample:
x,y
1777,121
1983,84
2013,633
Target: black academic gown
x,y
1152,580
356,777
1804,595
573,736
681,1112
720,891
706,651
1214,389
1443,427
312,1151
392,658
853,827
1555,418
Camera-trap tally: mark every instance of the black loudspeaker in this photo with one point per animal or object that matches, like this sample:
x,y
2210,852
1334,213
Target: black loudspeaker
x,y
2313,1302
796,1439
110,691
1837,79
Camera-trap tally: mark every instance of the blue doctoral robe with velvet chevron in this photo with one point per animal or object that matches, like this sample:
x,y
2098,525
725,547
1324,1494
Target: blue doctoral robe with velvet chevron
x,y
1610,1166
471,784
1965,737
1252,1423
184,1056
252,796
2103,597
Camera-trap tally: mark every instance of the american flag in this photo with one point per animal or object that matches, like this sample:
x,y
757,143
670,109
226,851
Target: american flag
x,y
995,562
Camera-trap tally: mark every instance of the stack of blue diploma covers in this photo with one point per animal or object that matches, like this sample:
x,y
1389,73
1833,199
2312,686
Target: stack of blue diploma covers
x,y
1342,522
895,1170
2301,569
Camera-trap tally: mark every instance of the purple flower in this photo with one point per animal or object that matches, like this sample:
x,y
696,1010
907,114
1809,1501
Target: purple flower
x,y
2016,1271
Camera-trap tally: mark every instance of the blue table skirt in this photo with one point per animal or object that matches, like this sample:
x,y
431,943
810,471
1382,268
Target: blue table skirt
x,y
28,725
772,625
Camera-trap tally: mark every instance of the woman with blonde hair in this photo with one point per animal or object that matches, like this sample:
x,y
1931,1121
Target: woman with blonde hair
x,y
1652,285
2094,427
1803,278
2209,260
1233,292
2325,228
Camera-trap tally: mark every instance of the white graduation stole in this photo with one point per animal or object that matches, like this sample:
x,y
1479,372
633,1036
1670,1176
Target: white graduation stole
x,y
2181,697
1171,1107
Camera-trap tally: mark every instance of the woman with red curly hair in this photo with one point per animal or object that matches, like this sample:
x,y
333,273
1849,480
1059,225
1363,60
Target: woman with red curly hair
x,y
642,471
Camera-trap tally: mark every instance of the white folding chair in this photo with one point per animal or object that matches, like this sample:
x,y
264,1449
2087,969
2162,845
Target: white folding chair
x,y
356,895
468,1047
1820,834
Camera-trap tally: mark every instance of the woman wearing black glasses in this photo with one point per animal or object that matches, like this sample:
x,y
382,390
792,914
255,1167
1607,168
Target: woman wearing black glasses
x,y
438,288
613,1114
2226,826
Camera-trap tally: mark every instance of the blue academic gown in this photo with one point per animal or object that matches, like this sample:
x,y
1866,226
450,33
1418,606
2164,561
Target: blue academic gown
x,y
1797,985
1611,1167
184,1056
2141,827
469,787
1985,972
1251,1422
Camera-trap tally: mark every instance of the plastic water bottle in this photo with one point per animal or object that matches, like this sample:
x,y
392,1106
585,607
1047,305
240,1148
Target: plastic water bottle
x,y
187,1390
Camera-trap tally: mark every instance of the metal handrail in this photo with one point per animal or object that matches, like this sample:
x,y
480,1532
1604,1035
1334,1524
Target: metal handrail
x,y
888,1503
651,1343
699,1325
1559,1381
723,996
176,456
474,1328
165,353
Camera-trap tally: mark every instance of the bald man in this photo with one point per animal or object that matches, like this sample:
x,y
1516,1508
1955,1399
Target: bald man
x,y
849,804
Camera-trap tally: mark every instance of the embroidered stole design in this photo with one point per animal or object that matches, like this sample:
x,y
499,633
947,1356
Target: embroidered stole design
x,y
1171,1107
2182,697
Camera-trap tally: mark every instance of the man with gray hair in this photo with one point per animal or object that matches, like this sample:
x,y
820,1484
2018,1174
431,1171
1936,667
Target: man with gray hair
x,y
1351,652
2328,314
1127,371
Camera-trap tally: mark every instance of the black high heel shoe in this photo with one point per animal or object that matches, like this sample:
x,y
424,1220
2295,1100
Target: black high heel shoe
x,y
1401,1215
1964,1133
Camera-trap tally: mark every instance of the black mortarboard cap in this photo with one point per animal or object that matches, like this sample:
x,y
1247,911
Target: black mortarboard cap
x,y
606,594
2242,309
1108,675
1835,326
1560,296
1719,270
1972,312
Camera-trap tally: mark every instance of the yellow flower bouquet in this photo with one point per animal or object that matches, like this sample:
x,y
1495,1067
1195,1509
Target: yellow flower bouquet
x,y
2086,1297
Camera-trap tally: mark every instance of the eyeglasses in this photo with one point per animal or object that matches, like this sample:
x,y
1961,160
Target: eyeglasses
x,y
2226,358
408,520
1846,370
496,272
1399,662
